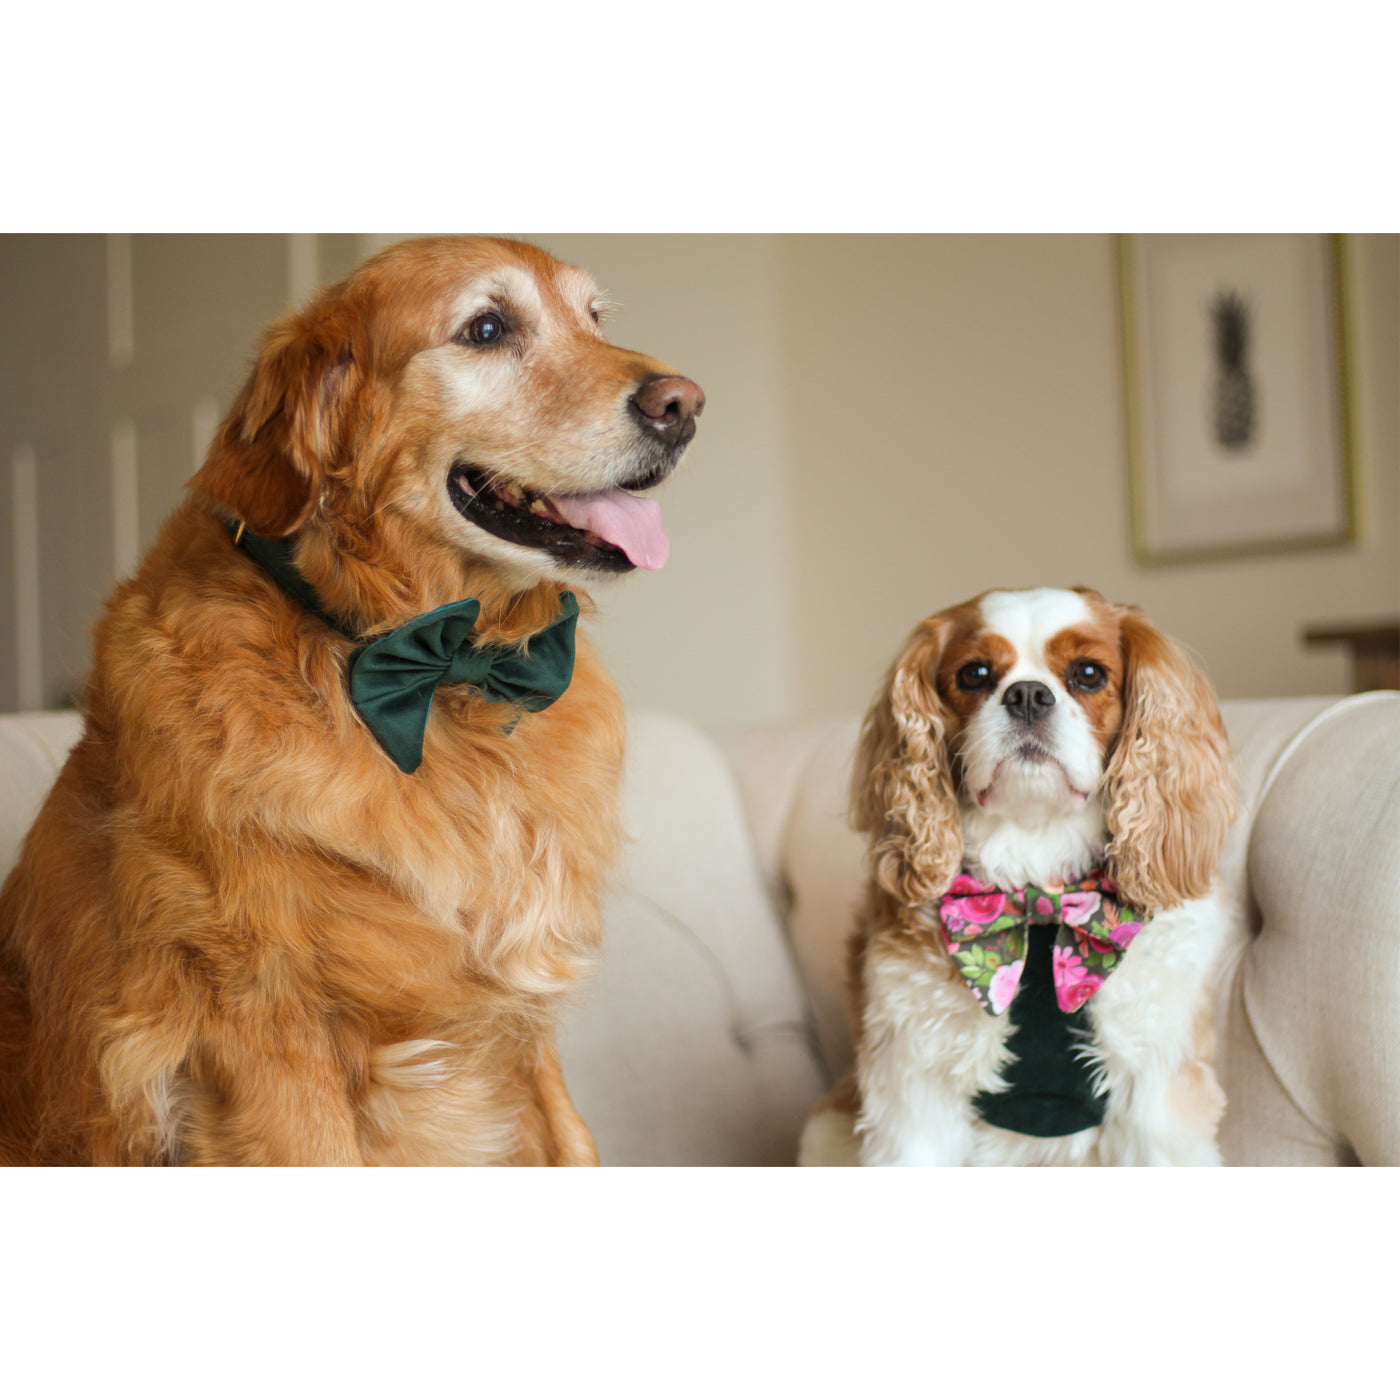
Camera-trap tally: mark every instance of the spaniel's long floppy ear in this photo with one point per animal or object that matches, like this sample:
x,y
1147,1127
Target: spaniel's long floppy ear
x,y
902,791
287,427
1170,783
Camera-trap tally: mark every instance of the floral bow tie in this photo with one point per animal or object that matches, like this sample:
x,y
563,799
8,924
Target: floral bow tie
x,y
986,931
393,677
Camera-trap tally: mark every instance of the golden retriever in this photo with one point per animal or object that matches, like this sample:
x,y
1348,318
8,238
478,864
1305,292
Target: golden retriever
x,y
241,932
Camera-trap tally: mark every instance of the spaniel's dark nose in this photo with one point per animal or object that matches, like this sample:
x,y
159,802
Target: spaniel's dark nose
x,y
1028,700
668,407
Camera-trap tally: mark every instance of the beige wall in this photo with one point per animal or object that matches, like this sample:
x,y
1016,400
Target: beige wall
x,y
710,635
956,423
893,424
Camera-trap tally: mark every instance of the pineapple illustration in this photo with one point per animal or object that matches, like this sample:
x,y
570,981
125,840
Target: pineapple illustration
x,y
1235,406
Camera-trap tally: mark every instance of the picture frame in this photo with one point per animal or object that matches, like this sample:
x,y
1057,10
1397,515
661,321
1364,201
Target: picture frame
x,y
1238,397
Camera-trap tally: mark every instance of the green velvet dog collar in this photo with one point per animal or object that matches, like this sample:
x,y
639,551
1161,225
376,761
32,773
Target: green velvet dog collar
x,y
393,677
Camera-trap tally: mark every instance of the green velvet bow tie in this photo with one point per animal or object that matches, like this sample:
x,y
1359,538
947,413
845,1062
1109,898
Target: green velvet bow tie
x,y
392,678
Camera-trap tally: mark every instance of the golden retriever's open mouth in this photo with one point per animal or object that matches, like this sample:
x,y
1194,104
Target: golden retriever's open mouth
x,y
608,531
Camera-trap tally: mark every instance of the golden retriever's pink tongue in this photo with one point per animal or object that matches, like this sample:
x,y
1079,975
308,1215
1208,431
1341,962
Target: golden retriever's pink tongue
x,y
631,523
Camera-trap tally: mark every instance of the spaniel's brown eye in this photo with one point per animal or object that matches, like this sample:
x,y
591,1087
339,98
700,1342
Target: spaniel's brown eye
x,y
1086,675
976,675
485,329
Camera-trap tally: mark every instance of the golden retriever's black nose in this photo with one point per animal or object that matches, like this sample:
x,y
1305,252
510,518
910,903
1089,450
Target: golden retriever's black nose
x,y
668,407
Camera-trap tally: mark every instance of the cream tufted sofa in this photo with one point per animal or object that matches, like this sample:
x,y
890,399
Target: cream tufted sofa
x,y
718,1014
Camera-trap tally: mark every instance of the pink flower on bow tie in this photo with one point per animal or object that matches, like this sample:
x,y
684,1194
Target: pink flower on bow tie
x,y
1005,980
1072,995
967,902
1074,983
1078,909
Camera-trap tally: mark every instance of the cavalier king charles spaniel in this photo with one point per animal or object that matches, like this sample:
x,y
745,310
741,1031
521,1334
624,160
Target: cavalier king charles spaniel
x,y
1046,785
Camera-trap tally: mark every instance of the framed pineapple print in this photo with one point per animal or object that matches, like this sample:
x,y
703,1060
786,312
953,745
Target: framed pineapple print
x,y
1237,393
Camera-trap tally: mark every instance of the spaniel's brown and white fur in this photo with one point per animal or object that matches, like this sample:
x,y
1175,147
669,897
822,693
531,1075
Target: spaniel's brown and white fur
x,y
1028,737
238,934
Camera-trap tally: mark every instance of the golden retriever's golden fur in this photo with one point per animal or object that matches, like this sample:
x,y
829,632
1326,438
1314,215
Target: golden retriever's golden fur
x,y
238,933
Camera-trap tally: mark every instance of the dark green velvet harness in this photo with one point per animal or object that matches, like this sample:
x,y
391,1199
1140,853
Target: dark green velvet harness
x,y
1049,1090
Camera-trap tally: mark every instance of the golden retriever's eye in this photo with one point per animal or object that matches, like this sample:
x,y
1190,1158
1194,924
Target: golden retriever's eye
x,y
596,314
1086,675
976,675
485,329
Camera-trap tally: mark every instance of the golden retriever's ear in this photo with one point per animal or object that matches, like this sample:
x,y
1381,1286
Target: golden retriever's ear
x,y
902,791
287,427
1170,784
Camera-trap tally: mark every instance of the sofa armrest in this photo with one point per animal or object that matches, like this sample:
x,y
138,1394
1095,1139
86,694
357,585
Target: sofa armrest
x,y
33,747
1311,1063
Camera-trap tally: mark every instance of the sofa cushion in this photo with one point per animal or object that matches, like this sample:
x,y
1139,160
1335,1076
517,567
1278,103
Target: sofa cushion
x,y
796,785
691,1044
